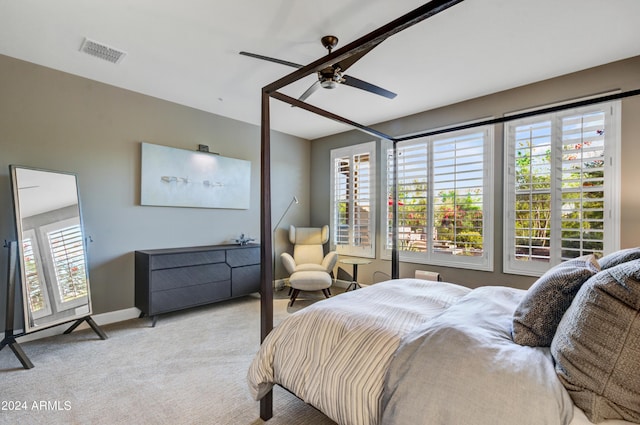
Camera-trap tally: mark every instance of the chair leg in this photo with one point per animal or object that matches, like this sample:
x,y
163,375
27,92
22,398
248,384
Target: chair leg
x,y
294,295
326,292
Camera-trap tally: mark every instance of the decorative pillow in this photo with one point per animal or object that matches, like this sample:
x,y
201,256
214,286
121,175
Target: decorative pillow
x,y
597,345
538,314
619,257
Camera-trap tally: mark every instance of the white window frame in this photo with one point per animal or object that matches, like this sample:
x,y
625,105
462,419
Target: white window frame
x,y
483,262
49,264
30,235
352,249
611,186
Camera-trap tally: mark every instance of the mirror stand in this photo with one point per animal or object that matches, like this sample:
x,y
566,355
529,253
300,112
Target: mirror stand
x,y
9,337
91,323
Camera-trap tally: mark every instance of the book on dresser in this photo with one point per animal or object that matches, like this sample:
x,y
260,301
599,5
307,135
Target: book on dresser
x,y
178,278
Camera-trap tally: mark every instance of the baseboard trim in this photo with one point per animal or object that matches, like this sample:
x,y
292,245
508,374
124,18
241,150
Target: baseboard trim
x,y
101,319
279,284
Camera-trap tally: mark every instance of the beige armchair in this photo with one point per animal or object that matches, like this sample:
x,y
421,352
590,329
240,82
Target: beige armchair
x,y
309,268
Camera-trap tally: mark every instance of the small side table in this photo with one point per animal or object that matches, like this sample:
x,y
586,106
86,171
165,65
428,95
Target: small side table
x,y
355,262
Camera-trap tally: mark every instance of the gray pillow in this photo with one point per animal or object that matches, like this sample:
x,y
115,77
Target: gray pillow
x,y
597,345
619,257
537,316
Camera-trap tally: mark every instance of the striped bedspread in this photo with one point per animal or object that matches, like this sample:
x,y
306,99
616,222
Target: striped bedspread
x,y
334,354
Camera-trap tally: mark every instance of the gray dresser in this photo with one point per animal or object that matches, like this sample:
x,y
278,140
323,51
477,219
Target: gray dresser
x,y
179,278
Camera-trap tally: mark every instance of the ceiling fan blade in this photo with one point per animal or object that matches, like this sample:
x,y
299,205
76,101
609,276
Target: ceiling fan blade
x,y
315,86
346,63
267,58
363,85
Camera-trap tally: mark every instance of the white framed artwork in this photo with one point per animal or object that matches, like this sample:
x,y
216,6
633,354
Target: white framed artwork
x,y
182,178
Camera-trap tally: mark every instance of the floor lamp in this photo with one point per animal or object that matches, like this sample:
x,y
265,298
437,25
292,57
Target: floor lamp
x,y
293,201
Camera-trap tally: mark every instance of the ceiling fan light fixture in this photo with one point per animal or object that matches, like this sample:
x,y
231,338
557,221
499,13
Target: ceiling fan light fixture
x,y
328,84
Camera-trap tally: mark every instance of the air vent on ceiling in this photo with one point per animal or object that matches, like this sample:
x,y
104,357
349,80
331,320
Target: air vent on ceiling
x,y
102,51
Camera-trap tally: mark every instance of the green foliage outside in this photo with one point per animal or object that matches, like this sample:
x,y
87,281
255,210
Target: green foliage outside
x,y
457,220
582,208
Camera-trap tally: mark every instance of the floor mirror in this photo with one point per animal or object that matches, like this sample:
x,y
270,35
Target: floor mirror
x,y
51,255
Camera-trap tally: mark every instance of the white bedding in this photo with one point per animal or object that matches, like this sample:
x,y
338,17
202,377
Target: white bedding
x,y
464,368
335,358
335,354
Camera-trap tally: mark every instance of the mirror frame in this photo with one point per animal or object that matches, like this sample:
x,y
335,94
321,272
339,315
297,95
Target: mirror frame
x,y
29,324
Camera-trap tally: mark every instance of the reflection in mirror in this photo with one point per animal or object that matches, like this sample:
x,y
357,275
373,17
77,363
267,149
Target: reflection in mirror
x,y
53,260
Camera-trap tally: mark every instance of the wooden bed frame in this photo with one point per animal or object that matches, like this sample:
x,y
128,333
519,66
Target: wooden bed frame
x,y
271,91
368,41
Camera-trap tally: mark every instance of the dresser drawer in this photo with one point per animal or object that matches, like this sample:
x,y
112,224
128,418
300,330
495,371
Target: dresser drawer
x,y
189,276
179,298
243,256
167,261
246,280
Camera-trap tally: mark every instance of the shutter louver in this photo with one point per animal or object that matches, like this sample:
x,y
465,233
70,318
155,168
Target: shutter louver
x,y
67,251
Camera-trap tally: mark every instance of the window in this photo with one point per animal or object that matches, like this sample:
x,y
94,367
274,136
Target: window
x,y
444,199
560,187
38,297
352,190
67,251
65,263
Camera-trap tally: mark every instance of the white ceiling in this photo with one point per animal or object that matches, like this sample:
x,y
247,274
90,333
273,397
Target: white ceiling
x,y
187,51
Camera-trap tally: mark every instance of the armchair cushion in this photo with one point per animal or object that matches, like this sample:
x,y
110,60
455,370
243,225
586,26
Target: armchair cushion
x,y
304,254
308,251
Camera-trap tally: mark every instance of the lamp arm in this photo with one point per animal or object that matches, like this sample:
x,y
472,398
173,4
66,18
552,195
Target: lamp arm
x,y
294,200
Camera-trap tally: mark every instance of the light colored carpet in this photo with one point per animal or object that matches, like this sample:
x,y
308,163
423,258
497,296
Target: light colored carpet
x,y
190,369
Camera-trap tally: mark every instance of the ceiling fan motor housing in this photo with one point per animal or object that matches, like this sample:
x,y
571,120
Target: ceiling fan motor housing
x,y
330,77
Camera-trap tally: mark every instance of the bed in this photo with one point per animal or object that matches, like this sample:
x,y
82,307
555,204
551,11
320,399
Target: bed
x,y
410,351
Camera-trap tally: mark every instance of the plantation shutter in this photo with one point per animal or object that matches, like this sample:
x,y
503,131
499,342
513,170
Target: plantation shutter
x,y
443,196
559,187
67,252
37,298
342,207
533,191
353,219
458,183
412,198
582,220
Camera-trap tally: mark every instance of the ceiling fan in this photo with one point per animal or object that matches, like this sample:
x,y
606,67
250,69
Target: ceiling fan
x,y
331,76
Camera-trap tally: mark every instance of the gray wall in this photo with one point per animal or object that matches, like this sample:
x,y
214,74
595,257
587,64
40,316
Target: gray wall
x,y
623,75
57,121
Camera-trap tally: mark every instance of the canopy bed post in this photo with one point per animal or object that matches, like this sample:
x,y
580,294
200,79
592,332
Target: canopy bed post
x,y
367,42
266,252
395,257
